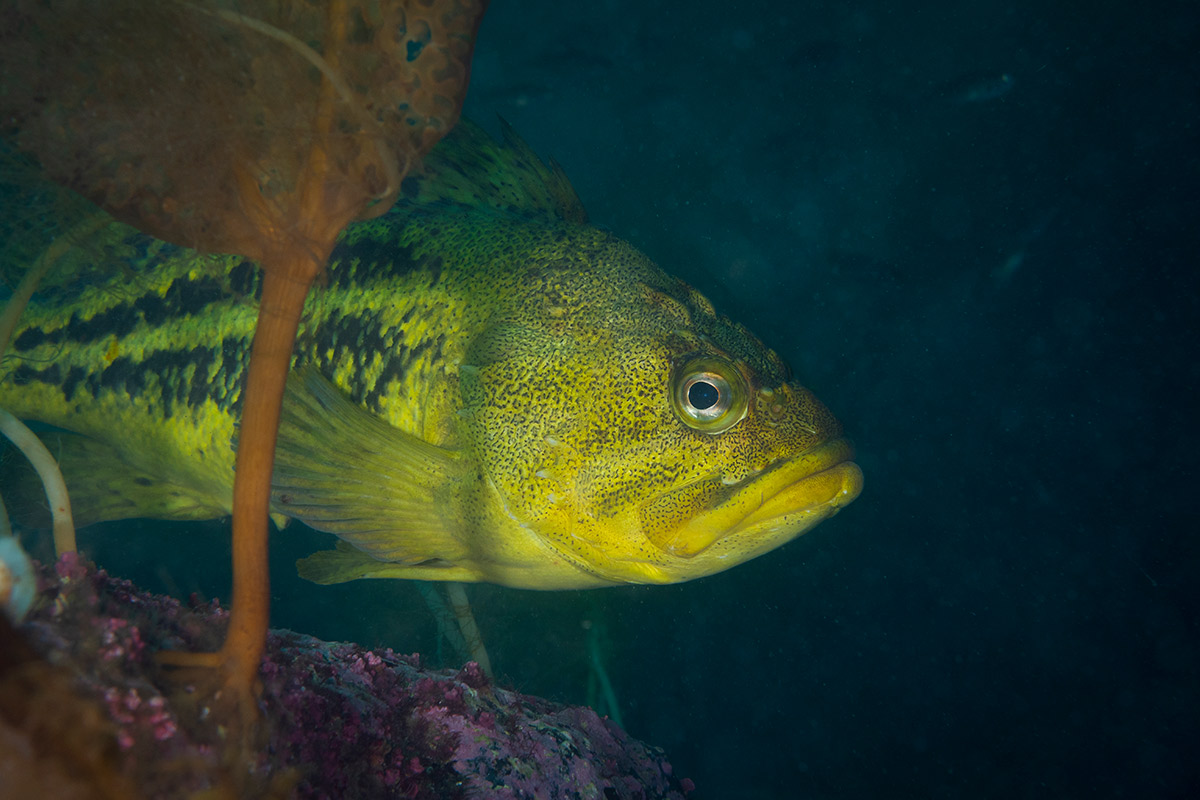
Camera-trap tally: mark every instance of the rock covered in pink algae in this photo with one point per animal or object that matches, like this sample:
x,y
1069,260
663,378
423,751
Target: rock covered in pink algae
x,y
355,722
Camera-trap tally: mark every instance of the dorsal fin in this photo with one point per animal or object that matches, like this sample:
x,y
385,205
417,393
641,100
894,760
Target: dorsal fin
x,y
470,168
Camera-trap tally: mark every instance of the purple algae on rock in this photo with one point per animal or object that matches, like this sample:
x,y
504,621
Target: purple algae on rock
x,y
351,722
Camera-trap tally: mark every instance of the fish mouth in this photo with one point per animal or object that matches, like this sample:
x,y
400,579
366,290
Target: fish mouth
x,y
772,507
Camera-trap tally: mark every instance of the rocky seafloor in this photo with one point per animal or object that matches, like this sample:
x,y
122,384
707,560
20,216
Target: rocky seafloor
x,y
86,712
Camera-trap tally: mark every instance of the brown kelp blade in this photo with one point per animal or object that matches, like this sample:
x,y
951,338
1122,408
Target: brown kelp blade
x,y
197,121
252,127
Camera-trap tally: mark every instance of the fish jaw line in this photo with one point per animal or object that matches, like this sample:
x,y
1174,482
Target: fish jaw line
x,y
808,500
794,495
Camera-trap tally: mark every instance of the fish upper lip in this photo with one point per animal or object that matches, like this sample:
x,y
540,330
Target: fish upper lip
x,y
812,480
836,485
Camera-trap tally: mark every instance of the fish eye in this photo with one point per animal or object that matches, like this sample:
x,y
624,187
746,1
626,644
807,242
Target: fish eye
x,y
705,392
709,395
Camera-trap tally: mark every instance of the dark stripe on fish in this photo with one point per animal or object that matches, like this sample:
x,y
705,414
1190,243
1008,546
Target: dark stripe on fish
x,y
395,367
245,281
357,338
25,374
185,377
352,337
183,297
367,260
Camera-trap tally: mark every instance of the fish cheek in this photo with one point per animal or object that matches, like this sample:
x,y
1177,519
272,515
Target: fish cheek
x,y
662,518
513,411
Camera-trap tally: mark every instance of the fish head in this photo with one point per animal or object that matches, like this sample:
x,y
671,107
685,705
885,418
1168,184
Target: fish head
x,y
636,435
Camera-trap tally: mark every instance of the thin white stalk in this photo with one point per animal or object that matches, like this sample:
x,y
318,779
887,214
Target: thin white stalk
x,y
52,480
466,623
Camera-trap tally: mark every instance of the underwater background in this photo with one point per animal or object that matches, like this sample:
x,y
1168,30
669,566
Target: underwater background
x,y
972,231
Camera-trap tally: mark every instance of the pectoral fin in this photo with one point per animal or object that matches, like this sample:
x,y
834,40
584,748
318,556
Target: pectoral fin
x,y
341,469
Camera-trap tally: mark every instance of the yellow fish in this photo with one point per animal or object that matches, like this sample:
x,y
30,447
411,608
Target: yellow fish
x,y
487,389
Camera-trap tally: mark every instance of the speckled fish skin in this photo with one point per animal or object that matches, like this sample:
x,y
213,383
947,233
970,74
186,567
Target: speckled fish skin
x,y
487,389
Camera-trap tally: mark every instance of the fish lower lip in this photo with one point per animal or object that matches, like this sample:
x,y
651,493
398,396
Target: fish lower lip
x,y
827,490
814,484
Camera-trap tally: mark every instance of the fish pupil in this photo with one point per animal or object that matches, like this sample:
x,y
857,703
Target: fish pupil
x,y
702,395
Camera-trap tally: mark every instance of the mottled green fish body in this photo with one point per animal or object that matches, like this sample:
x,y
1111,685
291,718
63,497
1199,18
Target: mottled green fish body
x,y
486,388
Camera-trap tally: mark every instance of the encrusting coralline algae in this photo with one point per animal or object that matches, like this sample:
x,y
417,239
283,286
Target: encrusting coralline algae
x,y
341,720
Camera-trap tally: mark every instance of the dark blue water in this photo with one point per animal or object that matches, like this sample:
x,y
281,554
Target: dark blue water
x,y
972,230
